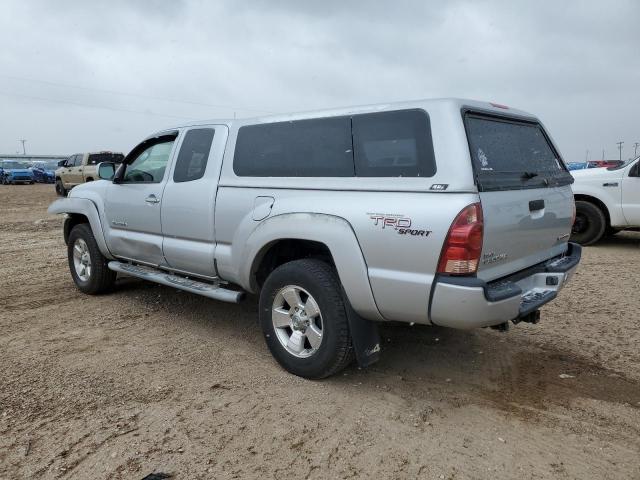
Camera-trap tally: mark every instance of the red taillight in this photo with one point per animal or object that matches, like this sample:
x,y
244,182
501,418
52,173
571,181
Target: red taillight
x,y
463,245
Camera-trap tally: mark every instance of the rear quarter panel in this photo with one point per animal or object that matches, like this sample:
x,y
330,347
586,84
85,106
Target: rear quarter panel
x,y
399,236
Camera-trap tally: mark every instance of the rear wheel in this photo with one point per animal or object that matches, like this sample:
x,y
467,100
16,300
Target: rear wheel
x,y
303,319
590,223
87,264
60,190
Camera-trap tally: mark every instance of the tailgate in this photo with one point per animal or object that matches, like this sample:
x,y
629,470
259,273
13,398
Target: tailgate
x,y
525,192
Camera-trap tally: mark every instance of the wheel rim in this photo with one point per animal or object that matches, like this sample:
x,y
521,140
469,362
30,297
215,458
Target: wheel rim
x,y
580,224
82,260
297,321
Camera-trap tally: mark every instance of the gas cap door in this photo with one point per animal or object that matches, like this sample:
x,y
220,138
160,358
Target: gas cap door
x,y
262,208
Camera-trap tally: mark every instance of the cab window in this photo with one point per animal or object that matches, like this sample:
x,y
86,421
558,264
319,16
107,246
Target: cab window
x,y
149,166
193,156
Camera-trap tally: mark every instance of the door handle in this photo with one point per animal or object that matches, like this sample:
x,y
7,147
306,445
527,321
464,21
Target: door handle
x,y
152,199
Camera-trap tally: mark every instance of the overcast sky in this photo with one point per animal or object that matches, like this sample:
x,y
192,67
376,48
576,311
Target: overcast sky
x,y
76,76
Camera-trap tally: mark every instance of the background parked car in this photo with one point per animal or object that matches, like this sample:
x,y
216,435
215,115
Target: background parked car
x,y
44,171
14,172
81,168
604,163
576,165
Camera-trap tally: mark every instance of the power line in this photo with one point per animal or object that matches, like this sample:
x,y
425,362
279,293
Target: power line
x,y
148,97
87,105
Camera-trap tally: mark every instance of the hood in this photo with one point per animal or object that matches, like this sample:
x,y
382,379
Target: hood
x,y
592,173
18,170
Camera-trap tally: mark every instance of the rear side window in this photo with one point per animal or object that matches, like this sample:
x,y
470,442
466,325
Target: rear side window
x,y
193,156
512,154
77,160
393,144
303,148
96,158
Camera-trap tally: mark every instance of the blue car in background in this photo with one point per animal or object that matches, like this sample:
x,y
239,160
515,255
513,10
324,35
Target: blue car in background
x,y
44,171
576,165
14,172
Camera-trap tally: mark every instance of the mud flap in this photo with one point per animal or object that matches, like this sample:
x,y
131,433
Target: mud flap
x,y
364,335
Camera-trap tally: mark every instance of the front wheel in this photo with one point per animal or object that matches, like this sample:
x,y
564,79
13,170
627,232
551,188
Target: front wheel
x,y
590,223
303,319
88,266
60,190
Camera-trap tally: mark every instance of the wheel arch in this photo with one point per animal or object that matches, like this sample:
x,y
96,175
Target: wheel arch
x,y
283,237
597,202
81,210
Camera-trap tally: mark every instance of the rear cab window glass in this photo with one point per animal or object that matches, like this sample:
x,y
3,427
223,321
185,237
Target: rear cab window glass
x,y
393,144
512,154
193,156
301,148
96,158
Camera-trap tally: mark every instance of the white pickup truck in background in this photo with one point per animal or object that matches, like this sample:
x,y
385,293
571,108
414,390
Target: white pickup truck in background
x,y
607,201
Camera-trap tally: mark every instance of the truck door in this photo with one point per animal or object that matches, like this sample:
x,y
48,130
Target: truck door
x,y
70,172
133,201
631,194
188,204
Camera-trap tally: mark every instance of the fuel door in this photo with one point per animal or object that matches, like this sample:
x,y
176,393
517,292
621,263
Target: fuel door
x,y
262,208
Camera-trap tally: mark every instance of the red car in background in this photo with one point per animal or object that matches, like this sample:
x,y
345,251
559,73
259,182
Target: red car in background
x,y
603,163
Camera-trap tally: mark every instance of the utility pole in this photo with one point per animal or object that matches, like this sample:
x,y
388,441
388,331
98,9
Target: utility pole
x,y
23,140
620,148
586,157
635,149
603,154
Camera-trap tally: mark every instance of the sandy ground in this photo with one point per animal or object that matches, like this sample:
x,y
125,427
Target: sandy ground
x,y
150,379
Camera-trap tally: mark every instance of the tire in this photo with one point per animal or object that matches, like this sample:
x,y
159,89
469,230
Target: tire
x,y
60,190
590,223
98,278
320,282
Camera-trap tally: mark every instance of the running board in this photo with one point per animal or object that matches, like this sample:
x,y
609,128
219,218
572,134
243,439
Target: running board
x,y
209,290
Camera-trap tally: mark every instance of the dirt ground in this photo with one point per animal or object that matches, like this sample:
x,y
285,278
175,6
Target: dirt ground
x,y
151,379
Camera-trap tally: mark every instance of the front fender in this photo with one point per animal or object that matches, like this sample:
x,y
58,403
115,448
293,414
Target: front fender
x,y
336,233
83,206
610,197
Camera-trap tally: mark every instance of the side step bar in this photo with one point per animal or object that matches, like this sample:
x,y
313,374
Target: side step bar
x,y
209,290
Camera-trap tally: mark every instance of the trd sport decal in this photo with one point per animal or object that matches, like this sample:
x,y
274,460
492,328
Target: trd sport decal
x,y
398,223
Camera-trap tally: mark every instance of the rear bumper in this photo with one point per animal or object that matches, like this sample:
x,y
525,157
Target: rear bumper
x,y
465,303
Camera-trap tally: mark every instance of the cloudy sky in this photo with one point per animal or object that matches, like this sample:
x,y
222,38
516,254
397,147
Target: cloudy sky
x,y
79,75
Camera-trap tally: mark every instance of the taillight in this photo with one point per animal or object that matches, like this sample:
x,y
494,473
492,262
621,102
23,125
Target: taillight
x,y
463,245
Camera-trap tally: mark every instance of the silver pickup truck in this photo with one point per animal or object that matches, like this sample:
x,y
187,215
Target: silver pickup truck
x,y
446,212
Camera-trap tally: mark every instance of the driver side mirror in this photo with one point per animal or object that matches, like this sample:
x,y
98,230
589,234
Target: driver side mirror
x,y
106,170
62,163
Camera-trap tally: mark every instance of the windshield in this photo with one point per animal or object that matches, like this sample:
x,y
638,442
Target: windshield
x,y
623,164
13,165
50,165
512,154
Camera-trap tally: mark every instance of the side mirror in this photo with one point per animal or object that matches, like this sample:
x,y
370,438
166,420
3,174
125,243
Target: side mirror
x,y
62,163
106,170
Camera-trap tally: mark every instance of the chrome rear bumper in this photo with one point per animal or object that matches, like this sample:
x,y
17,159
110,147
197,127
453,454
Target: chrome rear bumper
x,y
466,303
